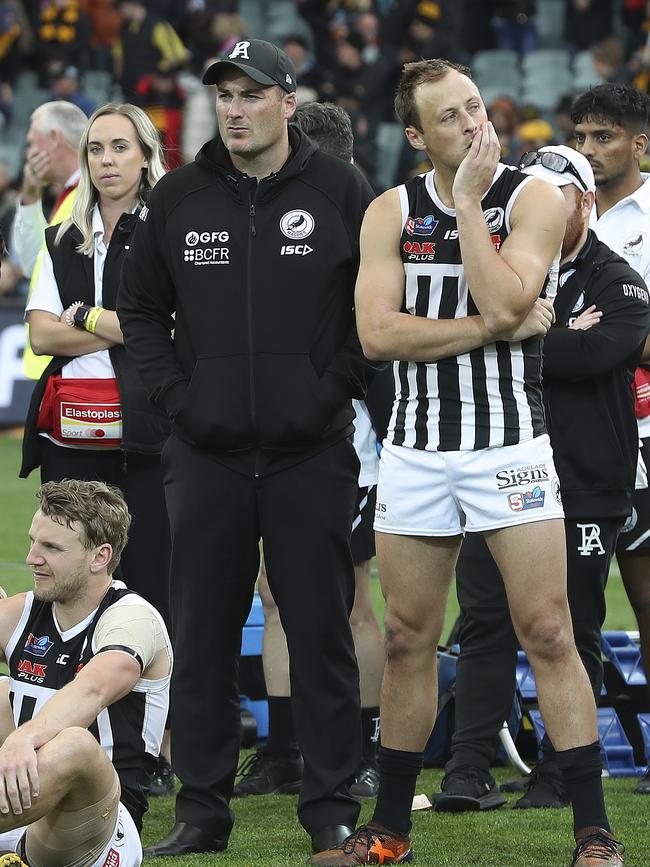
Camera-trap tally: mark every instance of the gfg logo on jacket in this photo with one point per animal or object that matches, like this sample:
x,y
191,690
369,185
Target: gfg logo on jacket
x,y
200,249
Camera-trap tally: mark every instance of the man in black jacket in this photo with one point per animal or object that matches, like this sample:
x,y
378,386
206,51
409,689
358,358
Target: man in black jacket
x,y
249,256
590,353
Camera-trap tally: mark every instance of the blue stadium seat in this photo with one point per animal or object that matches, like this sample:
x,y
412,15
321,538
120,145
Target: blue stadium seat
x,y
493,60
546,58
625,656
251,645
615,749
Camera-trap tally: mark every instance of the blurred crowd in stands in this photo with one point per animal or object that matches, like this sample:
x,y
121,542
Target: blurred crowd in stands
x,y
153,52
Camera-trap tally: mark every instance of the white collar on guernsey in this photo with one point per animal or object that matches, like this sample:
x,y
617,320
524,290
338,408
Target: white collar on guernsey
x,y
640,197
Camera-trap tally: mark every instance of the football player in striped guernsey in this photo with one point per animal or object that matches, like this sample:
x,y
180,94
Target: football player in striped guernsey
x,y
455,267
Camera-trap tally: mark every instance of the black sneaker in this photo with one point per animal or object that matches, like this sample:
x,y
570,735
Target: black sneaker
x,y
467,789
164,781
517,785
643,786
366,784
545,789
268,773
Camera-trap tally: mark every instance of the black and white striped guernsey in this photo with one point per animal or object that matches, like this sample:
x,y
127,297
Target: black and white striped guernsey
x,y
42,659
490,396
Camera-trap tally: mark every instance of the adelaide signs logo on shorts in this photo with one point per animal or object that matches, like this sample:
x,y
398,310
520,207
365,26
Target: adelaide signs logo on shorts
x,y
201,248
297,224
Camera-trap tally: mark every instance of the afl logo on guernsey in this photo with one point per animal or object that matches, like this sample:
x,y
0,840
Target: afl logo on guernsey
x,y
38,646
297,224
422,226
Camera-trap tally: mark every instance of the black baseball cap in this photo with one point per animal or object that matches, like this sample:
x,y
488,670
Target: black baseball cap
x,y
262,61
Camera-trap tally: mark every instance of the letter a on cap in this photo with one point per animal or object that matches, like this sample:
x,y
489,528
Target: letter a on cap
x,y
240,50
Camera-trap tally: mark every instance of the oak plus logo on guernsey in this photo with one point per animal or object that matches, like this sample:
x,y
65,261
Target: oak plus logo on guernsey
x,y
207,247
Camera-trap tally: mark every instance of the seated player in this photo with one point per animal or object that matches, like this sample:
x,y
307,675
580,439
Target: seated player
x,y
83,711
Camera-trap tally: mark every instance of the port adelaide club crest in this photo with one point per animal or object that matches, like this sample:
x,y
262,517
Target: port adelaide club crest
x,y
297,225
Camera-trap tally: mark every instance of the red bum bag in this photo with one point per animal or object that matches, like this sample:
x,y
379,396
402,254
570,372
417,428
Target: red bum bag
x,y
81,412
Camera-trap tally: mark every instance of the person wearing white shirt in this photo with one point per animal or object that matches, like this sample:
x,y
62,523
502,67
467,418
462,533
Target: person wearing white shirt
x,y
89,417
51,162
610,130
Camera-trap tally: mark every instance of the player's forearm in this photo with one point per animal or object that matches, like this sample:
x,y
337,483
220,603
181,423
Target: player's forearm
x,y
497,291
393,336
74,705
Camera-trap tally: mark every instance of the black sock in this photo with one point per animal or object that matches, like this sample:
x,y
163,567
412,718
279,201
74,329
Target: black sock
x,y
369,731
398,773
581,768
282,737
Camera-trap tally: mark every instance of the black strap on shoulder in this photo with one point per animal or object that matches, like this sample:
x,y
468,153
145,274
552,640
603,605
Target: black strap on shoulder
x,y
123,649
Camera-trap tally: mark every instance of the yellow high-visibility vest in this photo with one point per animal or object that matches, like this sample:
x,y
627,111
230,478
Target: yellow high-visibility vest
x,y
34,365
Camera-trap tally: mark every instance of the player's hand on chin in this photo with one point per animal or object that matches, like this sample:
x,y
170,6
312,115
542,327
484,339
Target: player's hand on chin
x,y
476,172
18,774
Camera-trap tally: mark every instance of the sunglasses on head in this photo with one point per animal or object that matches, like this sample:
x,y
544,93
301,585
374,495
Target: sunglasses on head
x,y
553,162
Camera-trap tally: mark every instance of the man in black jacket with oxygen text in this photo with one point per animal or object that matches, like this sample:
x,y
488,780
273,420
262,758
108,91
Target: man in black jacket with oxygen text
x,y
602,318
237,307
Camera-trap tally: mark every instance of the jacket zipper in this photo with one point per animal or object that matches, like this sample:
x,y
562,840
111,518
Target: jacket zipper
x,y
249,303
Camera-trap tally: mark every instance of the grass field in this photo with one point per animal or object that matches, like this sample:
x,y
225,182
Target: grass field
x,y
267,831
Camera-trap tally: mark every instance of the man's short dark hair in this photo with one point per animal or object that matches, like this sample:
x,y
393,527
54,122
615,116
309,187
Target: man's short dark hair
x,y
413,75
618,104
328,125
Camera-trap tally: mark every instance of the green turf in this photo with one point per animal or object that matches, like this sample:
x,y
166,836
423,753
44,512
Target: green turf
x,y
267,831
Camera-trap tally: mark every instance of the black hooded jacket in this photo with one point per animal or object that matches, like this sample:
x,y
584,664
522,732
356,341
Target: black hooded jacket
x,y
587,379
236,305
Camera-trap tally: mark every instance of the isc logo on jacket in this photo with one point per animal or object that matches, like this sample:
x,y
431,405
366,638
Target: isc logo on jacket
x,y
296,250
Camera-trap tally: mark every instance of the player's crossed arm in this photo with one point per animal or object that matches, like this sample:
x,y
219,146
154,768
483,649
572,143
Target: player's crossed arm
x,y
386,332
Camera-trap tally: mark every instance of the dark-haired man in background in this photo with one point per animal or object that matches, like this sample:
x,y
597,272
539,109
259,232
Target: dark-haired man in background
x,y
611,123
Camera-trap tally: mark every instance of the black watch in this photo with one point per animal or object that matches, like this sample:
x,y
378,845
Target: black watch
x,y
81,314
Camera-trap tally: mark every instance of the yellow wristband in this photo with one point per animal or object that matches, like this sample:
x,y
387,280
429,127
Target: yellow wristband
x,y
91,319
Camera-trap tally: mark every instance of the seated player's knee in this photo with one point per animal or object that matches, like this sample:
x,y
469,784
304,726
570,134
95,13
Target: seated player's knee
x,y
77,747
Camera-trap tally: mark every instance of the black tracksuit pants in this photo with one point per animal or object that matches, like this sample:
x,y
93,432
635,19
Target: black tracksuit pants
x,y
486,667
303,514
144,566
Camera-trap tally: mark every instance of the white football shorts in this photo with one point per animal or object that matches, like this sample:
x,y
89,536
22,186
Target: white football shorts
x,y
431,493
